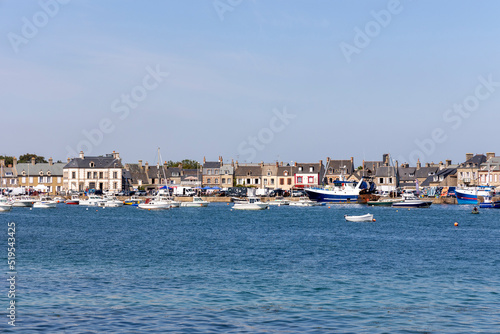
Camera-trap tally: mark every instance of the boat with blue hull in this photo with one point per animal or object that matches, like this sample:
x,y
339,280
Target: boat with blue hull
x,y
339,192
470,195
490,203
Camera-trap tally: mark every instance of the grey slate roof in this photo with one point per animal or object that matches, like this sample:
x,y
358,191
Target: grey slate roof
x,y
318,168
405,172
282,169
337,167
211,164
34,170
424,172
444,173
246,170
475,161
99,162
137,173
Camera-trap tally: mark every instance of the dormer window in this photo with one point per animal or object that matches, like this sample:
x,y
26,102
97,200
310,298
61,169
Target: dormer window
x,y
285,173
40,173
311,169
49,173
300,169
23,173
92,164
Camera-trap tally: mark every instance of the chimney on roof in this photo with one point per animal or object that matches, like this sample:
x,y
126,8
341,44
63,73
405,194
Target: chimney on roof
x,y
490,155
295,163
146,166
14,161
419,164
277,164
262,164
363,165
180,165
81,155
281,163
221,161
427,164
140,164
204,160
2,162
385,157
51,162
33,161
327,159
448,163
468,156
232,162
116,155
236,163
320,163
66,159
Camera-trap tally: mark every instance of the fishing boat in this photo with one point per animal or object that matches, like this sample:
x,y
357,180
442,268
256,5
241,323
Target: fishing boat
x,y
469,195
92,200
253,203
5,204
45,202
339,192
75,200
363,218
489,203
410,200
279,201
304,201
196,203
154,204
133,201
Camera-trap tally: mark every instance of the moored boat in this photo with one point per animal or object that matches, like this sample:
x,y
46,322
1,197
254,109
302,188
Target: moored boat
x,y
470,195
45,202
5,204
24,201
154,204
340,192
489,203
305,201
384,202
75,200
410,200
362,218
133,201
279,201
197,202
253,203
92,200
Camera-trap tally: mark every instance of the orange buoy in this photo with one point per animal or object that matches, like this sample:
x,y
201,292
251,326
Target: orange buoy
x,y
456,224
374,220
328,207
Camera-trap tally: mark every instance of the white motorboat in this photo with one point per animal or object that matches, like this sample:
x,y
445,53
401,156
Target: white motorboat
x,y
164,196
196,203
253,203
24,201
410,200
279,201
92,200
112,202
5,204
363,218
45,202
133,201
305,201
59,199
75,200
154,204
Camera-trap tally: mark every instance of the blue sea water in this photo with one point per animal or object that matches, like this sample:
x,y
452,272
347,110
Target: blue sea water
x,y
283,270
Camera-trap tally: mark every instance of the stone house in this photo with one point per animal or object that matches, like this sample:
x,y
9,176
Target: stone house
x,y
32,175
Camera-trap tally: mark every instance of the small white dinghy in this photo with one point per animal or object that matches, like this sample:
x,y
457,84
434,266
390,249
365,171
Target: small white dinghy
x,y
364,218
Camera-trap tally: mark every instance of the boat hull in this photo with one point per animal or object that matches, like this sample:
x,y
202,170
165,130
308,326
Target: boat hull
x,y
41,205
364,218
5,207
412,204
490,205
251,206
22,204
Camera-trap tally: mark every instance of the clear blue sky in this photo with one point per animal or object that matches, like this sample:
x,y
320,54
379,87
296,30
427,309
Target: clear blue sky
x,y
232,68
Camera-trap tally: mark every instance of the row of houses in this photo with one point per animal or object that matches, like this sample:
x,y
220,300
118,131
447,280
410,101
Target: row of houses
x,y
109,173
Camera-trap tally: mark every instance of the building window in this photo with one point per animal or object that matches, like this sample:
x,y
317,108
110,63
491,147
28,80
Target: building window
x,y
269,173
216,172
95,175
272,182
331,180
89,175
282,181
12,181
73,175
226,172
390,180
58,179
300,169
223,180
209,172
249,181
208,180
216,180
285,173
311,169
31,179
23,179
92,164
265,182
381,180
100,175
115,185
310,179
256,181
289,181
299,179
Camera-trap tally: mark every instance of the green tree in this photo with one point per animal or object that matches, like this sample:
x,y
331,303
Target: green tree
x,y
360,167
26,158
186,164
8,159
